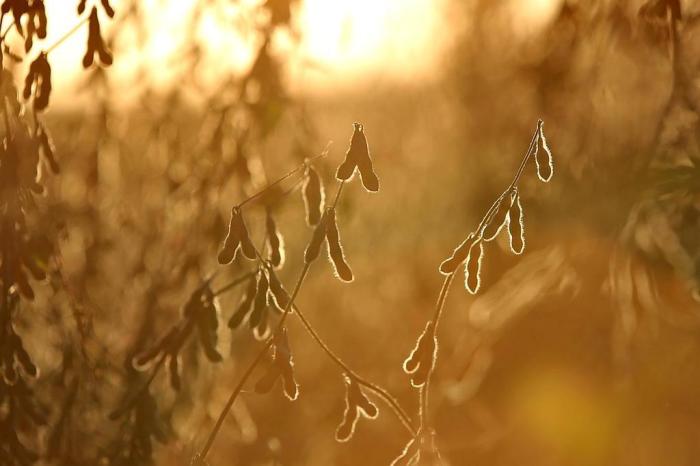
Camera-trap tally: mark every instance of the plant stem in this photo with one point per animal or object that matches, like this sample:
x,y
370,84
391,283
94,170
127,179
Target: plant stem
x,y
246,375
234,283
527,155
447,282
379,391
281,179
65,36
442,298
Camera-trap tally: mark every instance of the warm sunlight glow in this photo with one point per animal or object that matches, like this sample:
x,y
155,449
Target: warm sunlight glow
x,y
342,43
531,16
360,39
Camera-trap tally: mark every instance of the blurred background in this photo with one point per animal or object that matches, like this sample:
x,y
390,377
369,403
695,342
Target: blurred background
x,y
584,351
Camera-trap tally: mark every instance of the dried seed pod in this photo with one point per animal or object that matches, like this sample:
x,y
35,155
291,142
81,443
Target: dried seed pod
x,y
364,162
262,331
95,43
22,357
410,365
290,385
232,242
236,238
543,156
279,295
36,23
260,303
335,249
275,242
283,357
357,157
314,247
363,404
207,322
47,148
245,304
459,255
208,339
347,426
346,170
174,371
472,279
142,361
422,358
281,367
516,226
246,244
108,8
314,196
39,78
420,376
499,219
356,404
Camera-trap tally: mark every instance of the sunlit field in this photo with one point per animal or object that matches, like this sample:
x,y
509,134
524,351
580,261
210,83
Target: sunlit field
x,y
308,232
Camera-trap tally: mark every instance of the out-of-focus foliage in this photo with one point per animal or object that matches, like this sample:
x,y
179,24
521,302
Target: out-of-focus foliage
x,y
585,350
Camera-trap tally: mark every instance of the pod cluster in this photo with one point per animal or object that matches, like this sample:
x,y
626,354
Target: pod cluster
x,y
36,23
38,80
505,214
282,367
95,42
264,291
356,405
357,158
327,229
237,239
201,313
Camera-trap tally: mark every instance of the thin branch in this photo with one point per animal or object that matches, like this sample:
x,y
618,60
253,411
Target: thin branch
x,y
249,371
282,178
379,391
67,34
234,283
132,399
447,283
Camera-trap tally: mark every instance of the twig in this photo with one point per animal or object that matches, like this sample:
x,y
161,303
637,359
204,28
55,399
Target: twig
x,y
234,283
246,375
447,283
379,391
282,178
66,35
